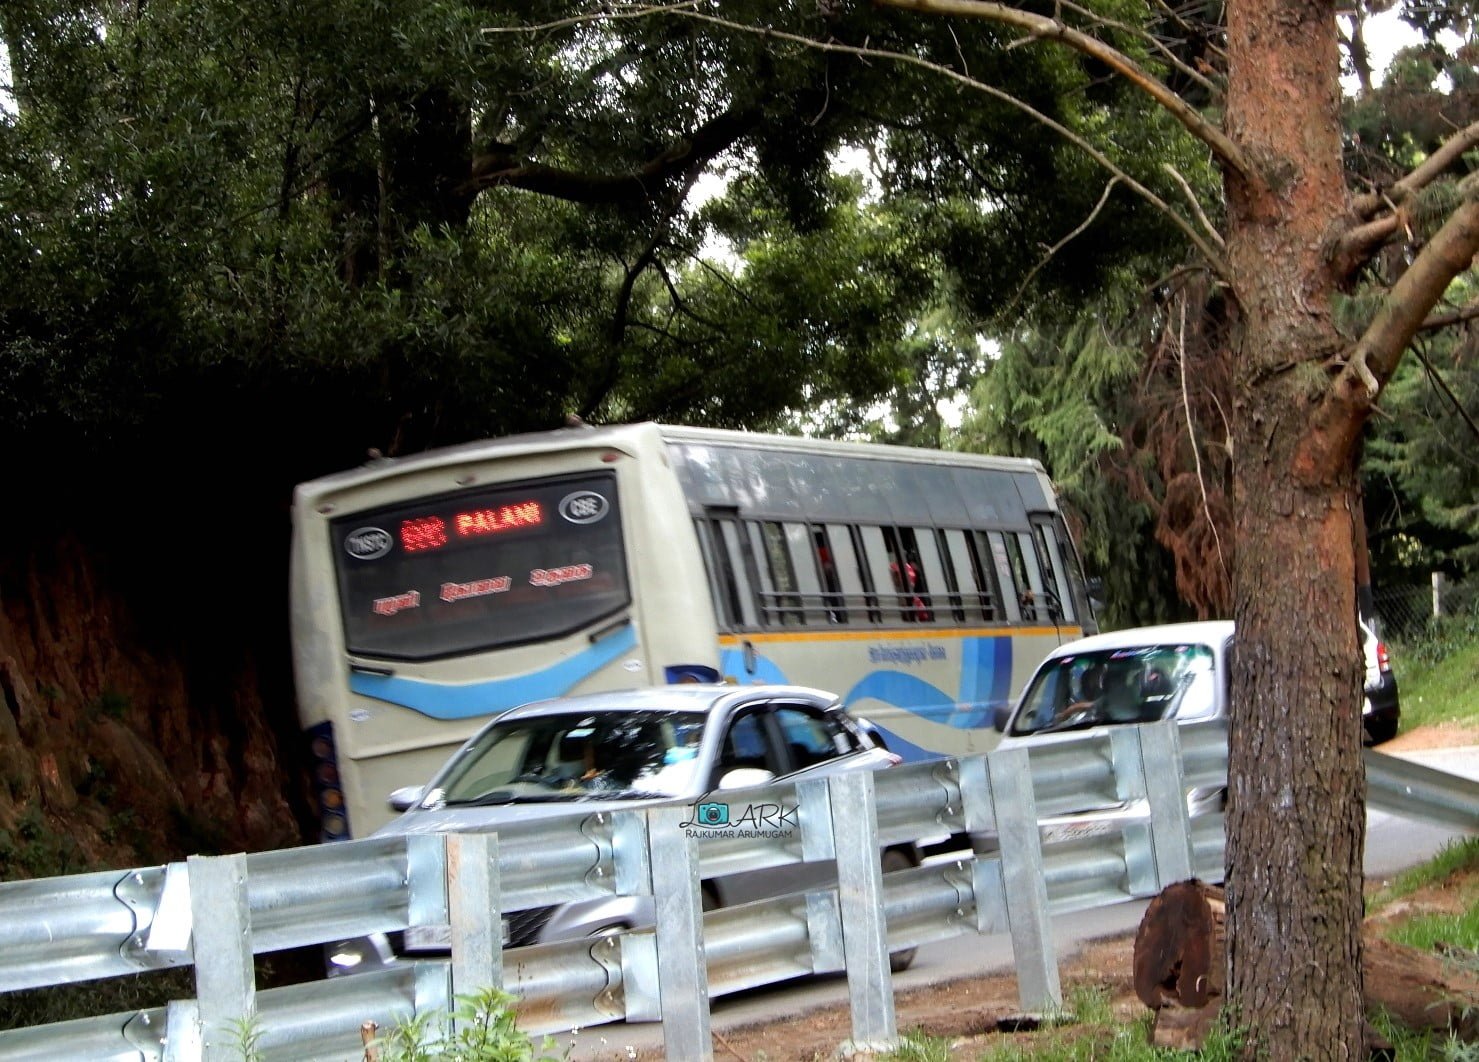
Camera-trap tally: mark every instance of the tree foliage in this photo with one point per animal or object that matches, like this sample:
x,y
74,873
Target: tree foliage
x,y
396,225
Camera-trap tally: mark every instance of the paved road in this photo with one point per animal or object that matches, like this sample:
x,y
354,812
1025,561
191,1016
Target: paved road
x,y
1392,844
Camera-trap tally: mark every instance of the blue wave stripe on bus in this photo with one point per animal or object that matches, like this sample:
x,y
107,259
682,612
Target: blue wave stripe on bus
x,y
986,669
904,691
985,682
442,701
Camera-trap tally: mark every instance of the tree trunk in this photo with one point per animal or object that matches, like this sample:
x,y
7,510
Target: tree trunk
x,y
1296,817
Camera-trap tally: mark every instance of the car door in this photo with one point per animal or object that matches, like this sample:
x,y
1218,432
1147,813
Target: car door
x,y
805,740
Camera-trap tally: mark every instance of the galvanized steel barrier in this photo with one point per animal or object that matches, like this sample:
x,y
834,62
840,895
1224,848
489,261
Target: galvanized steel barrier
x,y
217,912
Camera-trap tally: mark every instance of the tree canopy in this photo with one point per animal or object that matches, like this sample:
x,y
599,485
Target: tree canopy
x,y
408,223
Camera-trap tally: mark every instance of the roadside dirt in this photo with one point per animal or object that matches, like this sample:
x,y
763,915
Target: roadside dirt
x,y
1438,736
977,1014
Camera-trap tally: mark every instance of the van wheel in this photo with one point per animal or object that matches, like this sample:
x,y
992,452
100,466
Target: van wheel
x,y
899,859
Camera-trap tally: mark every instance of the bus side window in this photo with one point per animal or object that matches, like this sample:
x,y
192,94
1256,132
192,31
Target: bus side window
x,y
903,575
735,574
924,547
806,564
983,565
883,601
1012,583
960,581
1048,549
850,575
1038,604
722,590
833,604
779,603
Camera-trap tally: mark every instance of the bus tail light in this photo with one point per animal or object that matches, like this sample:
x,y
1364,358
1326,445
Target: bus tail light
x,y
676,673
333,819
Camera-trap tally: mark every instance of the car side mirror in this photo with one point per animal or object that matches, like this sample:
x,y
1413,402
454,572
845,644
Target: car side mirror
x,y
745,778
1001,717
407,796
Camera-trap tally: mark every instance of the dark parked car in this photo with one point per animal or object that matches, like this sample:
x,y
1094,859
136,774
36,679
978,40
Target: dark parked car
x,y
1382,710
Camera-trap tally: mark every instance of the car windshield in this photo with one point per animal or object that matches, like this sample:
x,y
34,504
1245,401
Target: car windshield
x,y
1138,684
576,756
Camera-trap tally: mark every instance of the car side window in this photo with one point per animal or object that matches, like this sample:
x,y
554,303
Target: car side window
x,y
746,745
812,737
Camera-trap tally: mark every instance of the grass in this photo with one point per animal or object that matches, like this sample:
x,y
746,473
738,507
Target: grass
x,y
1086,1029
1454,857
1438,674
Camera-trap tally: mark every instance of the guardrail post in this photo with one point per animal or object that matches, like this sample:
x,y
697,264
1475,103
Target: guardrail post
x,y
860,895
221,946
1026,887
426,905
1165,789
988,887
182,1031
823,919
474,904
682,975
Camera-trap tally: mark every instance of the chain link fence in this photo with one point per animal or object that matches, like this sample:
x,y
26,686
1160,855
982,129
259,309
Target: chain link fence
x,y
1420,612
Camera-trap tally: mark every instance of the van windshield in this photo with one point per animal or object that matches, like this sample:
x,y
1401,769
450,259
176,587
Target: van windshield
x,y
1139,684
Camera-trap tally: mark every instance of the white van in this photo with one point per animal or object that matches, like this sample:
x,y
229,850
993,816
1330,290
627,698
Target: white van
x,y
1143,674
1138,675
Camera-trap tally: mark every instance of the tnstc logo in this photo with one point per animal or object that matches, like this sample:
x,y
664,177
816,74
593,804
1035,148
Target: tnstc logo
x,y
711,818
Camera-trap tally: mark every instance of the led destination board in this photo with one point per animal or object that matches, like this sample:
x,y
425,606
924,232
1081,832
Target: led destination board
x,y
481,568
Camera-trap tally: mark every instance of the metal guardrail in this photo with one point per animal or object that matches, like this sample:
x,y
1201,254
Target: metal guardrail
x,y
217,912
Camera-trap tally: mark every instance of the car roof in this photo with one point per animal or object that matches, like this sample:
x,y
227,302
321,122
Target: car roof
x,y
1207,632
681,697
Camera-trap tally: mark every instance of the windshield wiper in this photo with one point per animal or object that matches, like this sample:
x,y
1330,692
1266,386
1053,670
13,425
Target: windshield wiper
x,y
496,796
1073,722
500,797
632,794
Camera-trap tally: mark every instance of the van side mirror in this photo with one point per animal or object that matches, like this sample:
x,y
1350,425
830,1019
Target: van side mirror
x,y
1001,717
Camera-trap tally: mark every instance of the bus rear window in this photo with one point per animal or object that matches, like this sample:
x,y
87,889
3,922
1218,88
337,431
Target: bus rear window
x,y
480,569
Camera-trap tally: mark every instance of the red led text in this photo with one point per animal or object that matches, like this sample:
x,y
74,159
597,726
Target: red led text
x,y
476,588
423,533
389,606
503,518
571,573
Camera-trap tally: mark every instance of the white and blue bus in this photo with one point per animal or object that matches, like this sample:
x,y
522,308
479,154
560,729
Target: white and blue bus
x,y
432,592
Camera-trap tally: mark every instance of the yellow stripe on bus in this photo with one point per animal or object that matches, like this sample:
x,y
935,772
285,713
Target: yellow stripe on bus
x,y
892,635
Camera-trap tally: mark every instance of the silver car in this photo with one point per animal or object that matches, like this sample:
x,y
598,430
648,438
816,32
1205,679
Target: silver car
x,y
610,751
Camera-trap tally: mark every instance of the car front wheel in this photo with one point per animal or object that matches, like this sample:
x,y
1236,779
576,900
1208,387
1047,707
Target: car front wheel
x,y
898,859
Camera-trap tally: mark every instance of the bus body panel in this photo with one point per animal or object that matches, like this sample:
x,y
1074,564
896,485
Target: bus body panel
x,y
725,540
930,693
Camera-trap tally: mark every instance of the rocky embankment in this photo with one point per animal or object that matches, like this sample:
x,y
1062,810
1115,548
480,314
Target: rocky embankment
x,y
143,708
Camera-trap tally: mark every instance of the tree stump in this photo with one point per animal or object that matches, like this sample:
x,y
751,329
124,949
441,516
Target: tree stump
x,y
1180,971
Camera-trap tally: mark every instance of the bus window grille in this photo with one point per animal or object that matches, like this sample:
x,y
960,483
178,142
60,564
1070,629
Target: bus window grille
x,y
778,609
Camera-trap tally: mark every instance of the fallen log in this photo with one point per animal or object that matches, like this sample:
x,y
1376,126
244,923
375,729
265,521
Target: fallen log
x,y
1179,970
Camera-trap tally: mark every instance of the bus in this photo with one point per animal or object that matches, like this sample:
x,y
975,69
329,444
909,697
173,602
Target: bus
x,y
431,592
